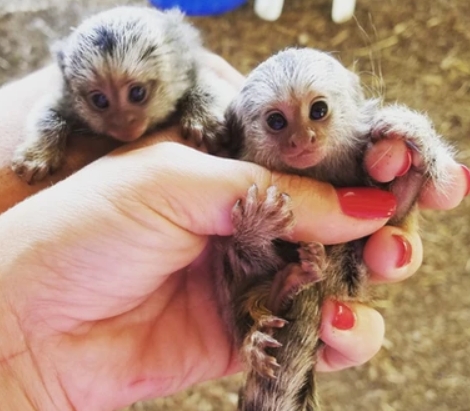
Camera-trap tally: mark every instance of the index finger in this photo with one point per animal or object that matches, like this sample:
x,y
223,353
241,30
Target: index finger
x,y
200,190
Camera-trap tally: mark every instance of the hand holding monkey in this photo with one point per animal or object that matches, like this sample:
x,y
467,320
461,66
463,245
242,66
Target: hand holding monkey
x,y
117,275
104,177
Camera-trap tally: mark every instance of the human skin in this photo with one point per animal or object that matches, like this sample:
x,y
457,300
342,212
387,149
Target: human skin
x,y
106,291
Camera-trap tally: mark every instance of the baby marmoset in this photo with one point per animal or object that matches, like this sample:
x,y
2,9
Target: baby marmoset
x,y
303,112
124,71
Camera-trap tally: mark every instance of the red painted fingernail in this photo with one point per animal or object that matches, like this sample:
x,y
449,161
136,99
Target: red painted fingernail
x,y
344,318
366,202
407,164
466,171
404,256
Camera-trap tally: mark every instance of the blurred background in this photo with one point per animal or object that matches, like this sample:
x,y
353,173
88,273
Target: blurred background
x,y
416,52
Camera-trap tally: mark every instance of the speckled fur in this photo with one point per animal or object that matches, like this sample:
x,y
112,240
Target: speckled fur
x,y
138,44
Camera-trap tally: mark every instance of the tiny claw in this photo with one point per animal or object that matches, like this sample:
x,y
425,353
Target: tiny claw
x,y
272,321
275,364
271,342
271,372
286,197
271,191
253,191
279,323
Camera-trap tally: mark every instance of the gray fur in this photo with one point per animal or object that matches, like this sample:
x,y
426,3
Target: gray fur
x,y
136,45
285,82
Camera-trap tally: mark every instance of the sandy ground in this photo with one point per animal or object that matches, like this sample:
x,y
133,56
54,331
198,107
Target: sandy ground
x,y
415,52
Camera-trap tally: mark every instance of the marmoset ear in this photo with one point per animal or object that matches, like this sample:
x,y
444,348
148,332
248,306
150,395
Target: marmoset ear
x,y
178,28
356,86
234,132
57,50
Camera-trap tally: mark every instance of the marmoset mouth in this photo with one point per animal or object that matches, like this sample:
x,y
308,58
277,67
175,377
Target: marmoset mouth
x,y
305,158
128,134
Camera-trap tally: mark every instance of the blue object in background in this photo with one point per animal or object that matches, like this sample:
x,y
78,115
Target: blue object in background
x,y
199,7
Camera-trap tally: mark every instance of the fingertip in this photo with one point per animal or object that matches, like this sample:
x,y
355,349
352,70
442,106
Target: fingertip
x,y
466,172
452,194
353,346
388,159
392,254
366,202
331,216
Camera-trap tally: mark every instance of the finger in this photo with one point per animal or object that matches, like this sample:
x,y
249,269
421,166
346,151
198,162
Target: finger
x,y
393,254
214,185
166,197
352,334
387,159
453,192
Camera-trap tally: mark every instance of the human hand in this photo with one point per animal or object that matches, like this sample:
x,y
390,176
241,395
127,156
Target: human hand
x,y
105,302
111,288
384,161
392,254
109,278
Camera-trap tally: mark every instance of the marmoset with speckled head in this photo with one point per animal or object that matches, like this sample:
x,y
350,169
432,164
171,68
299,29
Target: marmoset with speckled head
x,y
125,71
302,112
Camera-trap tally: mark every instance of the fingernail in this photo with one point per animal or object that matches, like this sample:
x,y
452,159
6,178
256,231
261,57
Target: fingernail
x,y
404,255
406,164
344,318
366,202
466,171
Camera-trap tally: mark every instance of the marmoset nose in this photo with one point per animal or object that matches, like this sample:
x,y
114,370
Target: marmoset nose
x,y
303,141
130,118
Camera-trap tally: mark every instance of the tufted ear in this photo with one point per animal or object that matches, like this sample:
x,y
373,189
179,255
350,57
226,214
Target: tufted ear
x,y
356,87
57,50
177,27
234,132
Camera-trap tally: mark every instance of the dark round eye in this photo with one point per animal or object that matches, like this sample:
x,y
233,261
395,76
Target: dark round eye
x,y
99,100
318,110
276,121
137,94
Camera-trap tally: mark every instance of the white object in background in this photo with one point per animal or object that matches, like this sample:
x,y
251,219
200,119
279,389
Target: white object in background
x,y
342,10
269,9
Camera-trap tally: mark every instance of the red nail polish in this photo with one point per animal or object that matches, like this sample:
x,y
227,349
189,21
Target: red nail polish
x,y
366,202
407,164
404,256
344,318
466,171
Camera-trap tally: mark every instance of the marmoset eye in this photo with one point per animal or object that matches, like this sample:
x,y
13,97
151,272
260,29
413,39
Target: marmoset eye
x,y
276,121
99,100
137,94
318,110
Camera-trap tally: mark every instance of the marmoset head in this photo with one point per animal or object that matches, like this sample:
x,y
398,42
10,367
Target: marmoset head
x,y
126,68
296,109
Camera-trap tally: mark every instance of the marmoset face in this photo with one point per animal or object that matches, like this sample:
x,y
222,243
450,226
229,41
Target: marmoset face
x,y
126,69
298,108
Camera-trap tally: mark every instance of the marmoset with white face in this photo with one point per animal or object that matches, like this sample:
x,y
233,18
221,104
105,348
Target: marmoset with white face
x,y
302,112
125,71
